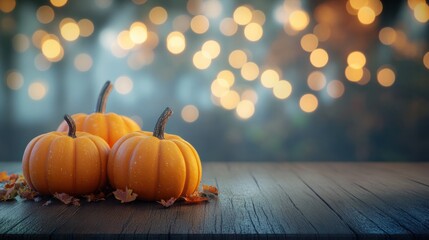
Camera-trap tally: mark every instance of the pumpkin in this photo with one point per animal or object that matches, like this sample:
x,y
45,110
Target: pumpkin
x,y
154,165
74,163
109,126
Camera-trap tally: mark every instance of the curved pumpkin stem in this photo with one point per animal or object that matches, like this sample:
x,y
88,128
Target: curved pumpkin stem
x,y
72,125
102,97
162,121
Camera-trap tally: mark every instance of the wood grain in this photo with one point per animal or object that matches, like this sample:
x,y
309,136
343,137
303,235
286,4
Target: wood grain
x,y
257,200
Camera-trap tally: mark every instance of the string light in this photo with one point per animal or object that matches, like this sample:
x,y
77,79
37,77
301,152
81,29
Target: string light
x,y
123,85
249,71
190,113
176,42
308,103
37,90
282,89
242,15
385,76
245,109
237,58
319,58
158,15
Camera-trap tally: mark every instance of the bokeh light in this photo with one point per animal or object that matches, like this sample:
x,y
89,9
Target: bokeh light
x,y
253,32
245,109
58,3
123,85
83,62
200,24
319,58
387,35
250,71
237,58
86,27
228,76
309,42
230,100
201,60
138,32
7,6
308,103
69,29
356,60
190,113
299,20
158,15
212,48
52,49
250,94
426,60
37,90
386,76
228,27
269,78
45,14
316,81
20,42
366,15
242,15
14,80
282,89
219,87
353,74
176,42
335,89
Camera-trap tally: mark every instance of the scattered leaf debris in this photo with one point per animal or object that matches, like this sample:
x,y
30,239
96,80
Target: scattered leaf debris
x,y
125,196
167,203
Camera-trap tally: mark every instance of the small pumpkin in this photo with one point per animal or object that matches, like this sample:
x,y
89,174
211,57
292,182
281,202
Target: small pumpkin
x,y
109,126
154,165
74,163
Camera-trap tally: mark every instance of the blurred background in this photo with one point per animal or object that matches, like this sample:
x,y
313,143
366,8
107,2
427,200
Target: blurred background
x,y
280,80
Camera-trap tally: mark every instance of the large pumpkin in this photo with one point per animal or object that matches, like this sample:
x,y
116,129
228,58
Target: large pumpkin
x,y
109,126
73,163
154,165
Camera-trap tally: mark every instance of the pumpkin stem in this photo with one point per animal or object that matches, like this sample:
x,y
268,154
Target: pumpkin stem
x,y
72,125
162,121
102,97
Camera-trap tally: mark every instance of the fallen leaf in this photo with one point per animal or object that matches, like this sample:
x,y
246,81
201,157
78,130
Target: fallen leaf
x,y
167,203
67,199
95,197
13,177
3,176
125,196
195,199
8,194
27,193
47,203
210,189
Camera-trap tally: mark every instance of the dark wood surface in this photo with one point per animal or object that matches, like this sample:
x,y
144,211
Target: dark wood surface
x,y
257,200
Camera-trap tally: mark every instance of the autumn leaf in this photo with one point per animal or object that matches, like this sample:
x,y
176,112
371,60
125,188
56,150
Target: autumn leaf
x,y
67,199
3,176
125,196
167,203
195,199
95,197
8,194
27,193
210,189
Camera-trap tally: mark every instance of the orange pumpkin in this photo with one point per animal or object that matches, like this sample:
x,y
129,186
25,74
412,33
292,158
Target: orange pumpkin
x,y
154,165
72,163
109,126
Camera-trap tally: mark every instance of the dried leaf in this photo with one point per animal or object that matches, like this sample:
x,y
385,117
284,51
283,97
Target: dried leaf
x,y
47,203
95,197
125,196
27,193
4,176
195,199
14,177
8,194
210,189
167,203
67,199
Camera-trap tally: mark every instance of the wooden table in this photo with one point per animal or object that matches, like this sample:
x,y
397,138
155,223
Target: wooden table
x,y
257,200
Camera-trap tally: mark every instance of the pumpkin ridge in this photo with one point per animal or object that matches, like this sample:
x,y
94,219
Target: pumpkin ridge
x,y
74,166
115,163
197,159
135,152
157,170
43,139
100,179
48,164
107,128
27,161
186,184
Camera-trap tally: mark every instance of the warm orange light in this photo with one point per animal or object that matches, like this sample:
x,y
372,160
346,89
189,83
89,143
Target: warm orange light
x,y
212,48
358,4
201,60
353,74
299,20
385,77
45,14
245,109
37,91
14,80
200,24
366,15
319,58
258,17
69,29
219,87
58,3
426,60
249,71
322,31
124,40
421,12
37,37
282,89
250,94
228,76
158,15
123,85
138,32
52,49
176,42
253,32
86,27
182,23
269,78
309,42
242,15
237,58
230,100
356,59
387,35
308,103
83,62
7,6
